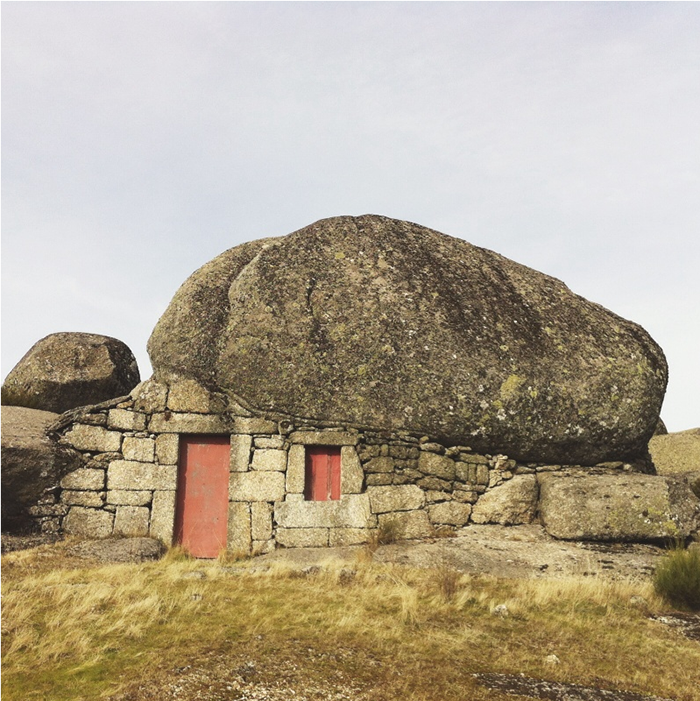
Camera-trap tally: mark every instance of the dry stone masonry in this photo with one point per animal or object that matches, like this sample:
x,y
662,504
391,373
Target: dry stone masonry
x,y
127,482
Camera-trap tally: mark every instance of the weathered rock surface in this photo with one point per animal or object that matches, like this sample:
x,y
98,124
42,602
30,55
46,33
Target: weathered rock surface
x,y
377,322
512,503
31,463
120,549
66,370
630,507
676,452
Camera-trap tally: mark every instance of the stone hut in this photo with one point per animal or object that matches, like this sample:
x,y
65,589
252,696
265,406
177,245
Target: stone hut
x,y
359,374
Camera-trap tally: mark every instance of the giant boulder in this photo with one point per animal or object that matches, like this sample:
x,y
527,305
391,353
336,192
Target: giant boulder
x,y
66,370
32,464
385,324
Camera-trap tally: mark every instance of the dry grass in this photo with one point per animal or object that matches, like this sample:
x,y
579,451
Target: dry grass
x,y
76,632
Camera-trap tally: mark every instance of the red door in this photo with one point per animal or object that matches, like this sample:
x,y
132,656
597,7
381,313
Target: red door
x,y
322,474
201,516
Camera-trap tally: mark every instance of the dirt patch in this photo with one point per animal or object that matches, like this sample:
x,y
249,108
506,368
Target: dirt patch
x,y
556,691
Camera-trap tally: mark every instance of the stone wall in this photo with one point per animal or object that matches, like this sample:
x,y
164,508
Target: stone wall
x,y
128,480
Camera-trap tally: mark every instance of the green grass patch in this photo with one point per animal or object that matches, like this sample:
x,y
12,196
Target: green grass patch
x,y
677,579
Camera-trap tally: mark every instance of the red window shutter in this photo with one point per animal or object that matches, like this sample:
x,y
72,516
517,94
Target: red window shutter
x,y
322,473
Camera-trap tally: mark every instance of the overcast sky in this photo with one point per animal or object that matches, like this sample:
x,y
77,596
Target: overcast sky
x,y
139,140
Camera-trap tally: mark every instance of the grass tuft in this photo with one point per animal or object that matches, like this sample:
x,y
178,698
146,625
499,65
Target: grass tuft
x,y
677,579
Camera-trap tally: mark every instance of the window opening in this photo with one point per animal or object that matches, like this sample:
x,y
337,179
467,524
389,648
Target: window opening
x,y
322,474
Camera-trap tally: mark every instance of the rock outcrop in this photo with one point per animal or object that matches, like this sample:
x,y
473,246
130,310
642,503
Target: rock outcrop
x,y
676,452
375,322
32,467
66,370
606,507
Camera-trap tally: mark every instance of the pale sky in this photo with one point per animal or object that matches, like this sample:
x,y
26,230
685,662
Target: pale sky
x,y
140,140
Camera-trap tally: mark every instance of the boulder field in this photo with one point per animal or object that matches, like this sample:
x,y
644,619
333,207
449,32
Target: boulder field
x,y
384,324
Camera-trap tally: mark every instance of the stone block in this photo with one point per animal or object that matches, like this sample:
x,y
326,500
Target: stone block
x,y
150,396
239,532
436,465
465,496
408,524
131,521
163,516
302,537
256,486
433,496
624,507
93,438
269,459
139,476
323,438
190,397
434,483
170,422
251,425
351,472
261,520
88,523
167,448
84,478
348,536
452,513
512,503
379,479
296,469
276,442
465,472
93,499
482,474
262,547
474,459
350,511
126,420
240,452
140,449
124,497
379,465
405,497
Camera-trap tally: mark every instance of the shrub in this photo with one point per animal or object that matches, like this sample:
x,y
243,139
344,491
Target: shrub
x,y
677,579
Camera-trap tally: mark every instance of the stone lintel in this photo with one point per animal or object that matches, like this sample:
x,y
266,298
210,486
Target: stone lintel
x,y
324,438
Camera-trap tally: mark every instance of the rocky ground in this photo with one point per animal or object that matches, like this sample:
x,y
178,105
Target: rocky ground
x,y
502,551
513,552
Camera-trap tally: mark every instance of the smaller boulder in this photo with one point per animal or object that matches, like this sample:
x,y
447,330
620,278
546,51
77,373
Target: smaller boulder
x,y
32,465
512,503
676,452
632,507
67,370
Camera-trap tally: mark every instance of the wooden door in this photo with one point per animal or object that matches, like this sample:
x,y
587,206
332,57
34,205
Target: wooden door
x,y
322,473
201,515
